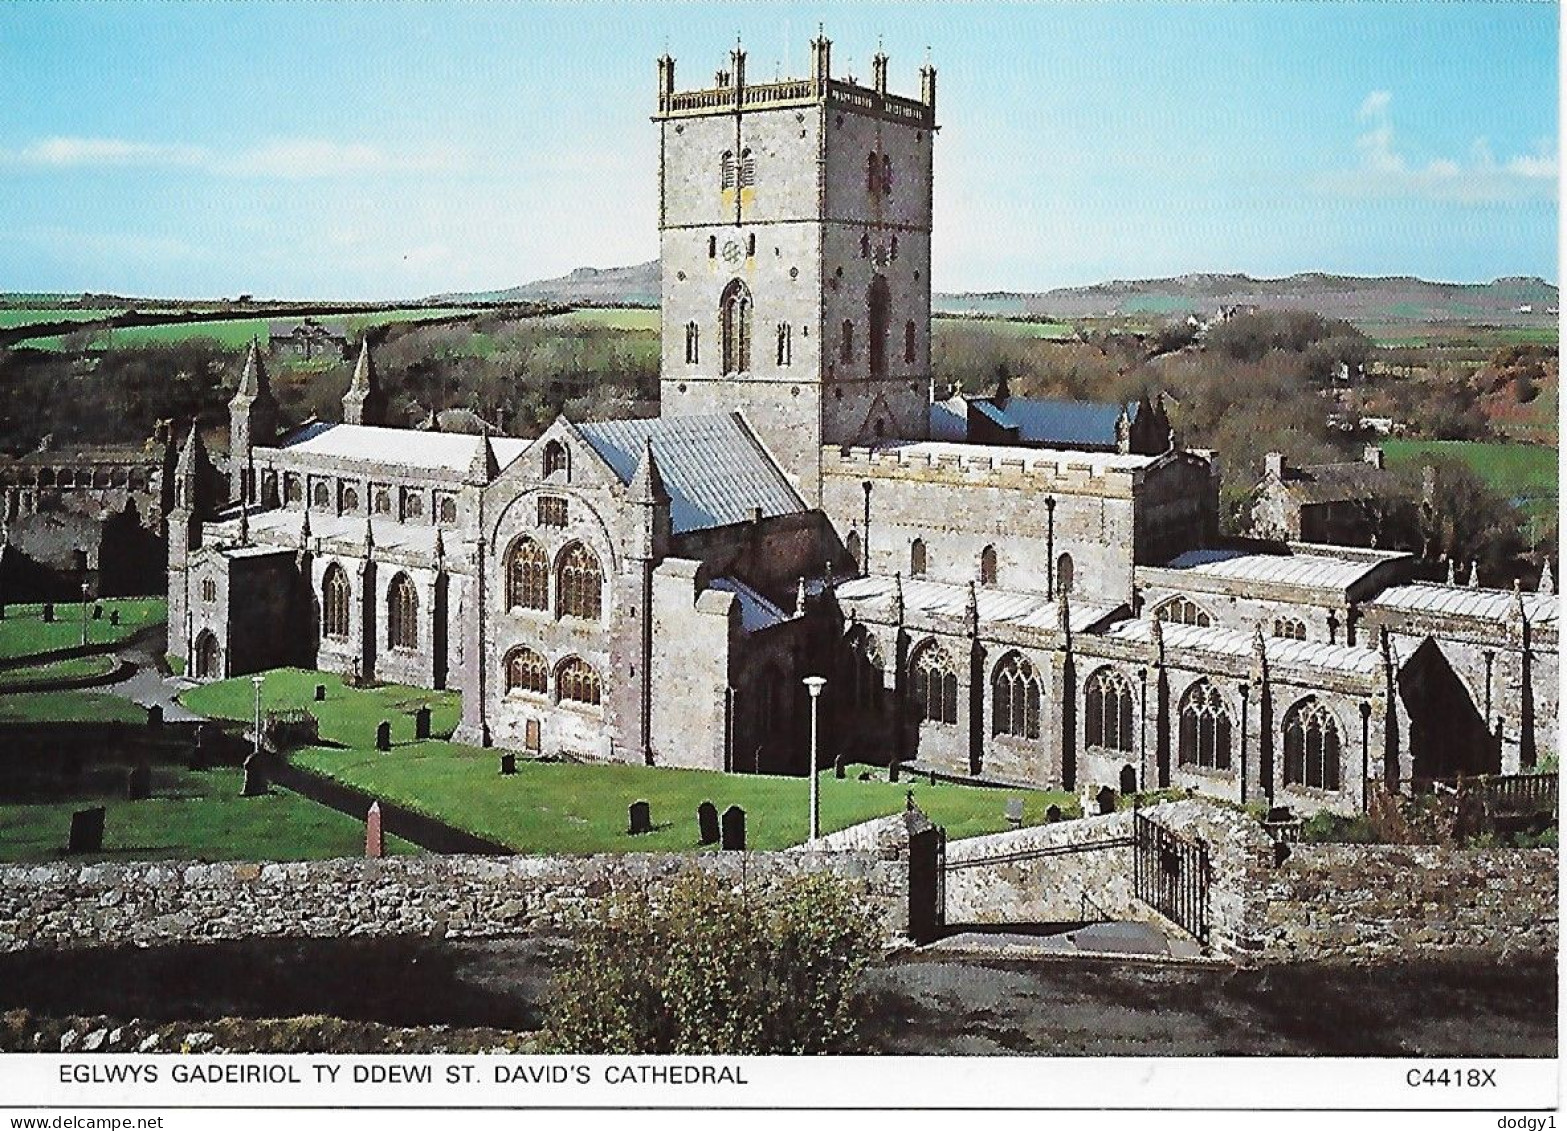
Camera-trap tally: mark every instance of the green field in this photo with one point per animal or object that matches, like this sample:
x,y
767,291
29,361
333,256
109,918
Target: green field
x,y
561,807
235,333
611,317
24,633
1454,336
1525,473
1007,327
12,318
190,816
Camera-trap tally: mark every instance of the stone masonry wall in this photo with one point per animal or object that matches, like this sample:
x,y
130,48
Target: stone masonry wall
x,y
1363,901
70,905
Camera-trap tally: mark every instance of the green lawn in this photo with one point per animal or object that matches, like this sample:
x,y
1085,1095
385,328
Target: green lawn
x,y
24,633
559,807
68,706
191,816
60,669
1525,473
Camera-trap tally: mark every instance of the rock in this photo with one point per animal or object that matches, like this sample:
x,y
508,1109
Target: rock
x,y
148,1043
195,1042
94,1040
68,1040
115,1036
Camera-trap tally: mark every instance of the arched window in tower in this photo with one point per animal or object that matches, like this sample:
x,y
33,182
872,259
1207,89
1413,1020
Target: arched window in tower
x,y
1107,711
747,169
865,247
987,566
527,671
853,545
846,346
1064,573
726,170
894,251
576,682
734,316
693,343
1205,728
880,302
872,173
527,576
1311,746
1182,610
908,343
556,458
785,344
1014,703
917,562
402,613
579,583
935,685
712,247
321,494
335,596
886,175
750,246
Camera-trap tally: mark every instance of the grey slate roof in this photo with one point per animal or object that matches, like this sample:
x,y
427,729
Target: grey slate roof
x,y
713,467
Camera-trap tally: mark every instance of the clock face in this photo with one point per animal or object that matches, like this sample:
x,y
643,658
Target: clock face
x,y
732,253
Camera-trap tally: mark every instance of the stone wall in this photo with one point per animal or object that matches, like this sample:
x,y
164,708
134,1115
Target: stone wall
x,y
1363,901
70,905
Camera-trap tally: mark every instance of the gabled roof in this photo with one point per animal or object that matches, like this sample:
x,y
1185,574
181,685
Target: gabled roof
x,y
1180,639
1317,571
995,606
1334,482
756,611
714,469
1495,605
401,447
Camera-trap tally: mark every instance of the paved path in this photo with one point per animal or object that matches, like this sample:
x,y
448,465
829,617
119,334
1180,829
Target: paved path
x,y
1109,939
148,686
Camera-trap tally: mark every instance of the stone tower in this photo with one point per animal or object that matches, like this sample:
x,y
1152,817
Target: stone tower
x,y
193,501
794,222
253,414
364,402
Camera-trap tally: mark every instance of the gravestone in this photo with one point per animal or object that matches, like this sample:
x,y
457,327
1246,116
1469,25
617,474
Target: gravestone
x,y
508,764
114,617
707,822
138,783
383,736
86,831
734,829
1053,814
375,841
48,612
155,715
837,767
320,693
1015,812
1105,799
422,723
97,612
641,818
255,777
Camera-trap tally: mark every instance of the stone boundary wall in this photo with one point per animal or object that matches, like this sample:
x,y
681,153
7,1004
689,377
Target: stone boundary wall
x,y
1367,901
63,905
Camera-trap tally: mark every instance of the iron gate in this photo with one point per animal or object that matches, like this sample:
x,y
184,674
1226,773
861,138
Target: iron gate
x,y
1171,875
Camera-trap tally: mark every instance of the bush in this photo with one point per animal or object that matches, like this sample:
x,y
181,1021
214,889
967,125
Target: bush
x,y
699,967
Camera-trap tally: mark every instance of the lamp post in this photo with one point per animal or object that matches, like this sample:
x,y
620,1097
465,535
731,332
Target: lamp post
x,y
814,684
84,614
257,681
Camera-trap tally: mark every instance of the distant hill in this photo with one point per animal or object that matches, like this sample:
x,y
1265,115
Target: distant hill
x,y
1394,298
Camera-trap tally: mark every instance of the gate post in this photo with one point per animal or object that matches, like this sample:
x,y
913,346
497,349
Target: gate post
x,y
927,867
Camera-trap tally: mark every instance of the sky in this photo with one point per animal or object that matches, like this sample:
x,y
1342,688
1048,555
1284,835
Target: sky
x,y
289,148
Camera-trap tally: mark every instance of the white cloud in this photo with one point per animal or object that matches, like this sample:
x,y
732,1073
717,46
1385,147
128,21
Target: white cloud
x,y
277,158
1385,171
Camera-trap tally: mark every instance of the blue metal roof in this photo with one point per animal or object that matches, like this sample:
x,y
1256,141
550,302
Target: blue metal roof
x,y
715,470
1059,423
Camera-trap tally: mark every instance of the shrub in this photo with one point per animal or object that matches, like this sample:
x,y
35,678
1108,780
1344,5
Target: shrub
x,y
700,967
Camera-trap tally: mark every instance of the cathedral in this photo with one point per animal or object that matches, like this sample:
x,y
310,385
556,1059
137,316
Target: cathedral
x,y
983,606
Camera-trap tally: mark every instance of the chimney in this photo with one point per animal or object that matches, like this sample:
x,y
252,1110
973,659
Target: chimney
x,y
1273,464
1373,456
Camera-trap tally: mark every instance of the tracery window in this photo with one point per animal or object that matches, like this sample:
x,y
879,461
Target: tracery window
x,y
1107,711
1205,728
402,613
1181,610
1289,628
577,682
528,671
527,576
580,583
735,319
552,511
335,597
935,685
1312,746
1015,694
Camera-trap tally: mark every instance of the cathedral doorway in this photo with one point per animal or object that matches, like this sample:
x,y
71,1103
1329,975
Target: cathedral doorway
x,y
1447,736
207,658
